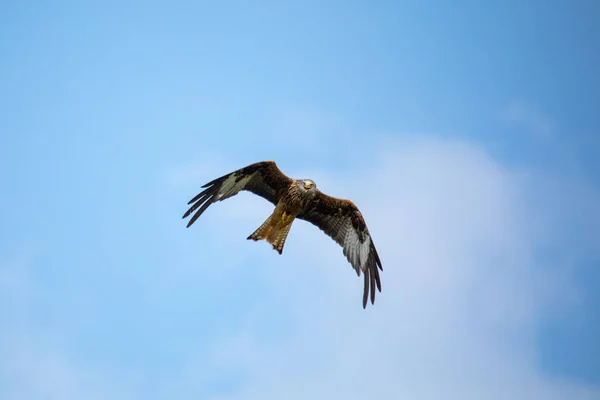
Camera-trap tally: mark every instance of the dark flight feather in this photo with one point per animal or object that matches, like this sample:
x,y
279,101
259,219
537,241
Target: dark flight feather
x,y
341,220
263,179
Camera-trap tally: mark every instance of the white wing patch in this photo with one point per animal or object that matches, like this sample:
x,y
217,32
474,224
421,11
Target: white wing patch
x,y
358,252
230,187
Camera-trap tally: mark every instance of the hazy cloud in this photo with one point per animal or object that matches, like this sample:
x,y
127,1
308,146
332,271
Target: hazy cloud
x,y
463,291
529,117
464,294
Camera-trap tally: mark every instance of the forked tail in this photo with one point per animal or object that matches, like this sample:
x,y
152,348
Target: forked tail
x,y
274,230
277,238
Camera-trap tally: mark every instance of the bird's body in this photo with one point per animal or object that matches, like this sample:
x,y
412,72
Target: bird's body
x,y
293,200
298,199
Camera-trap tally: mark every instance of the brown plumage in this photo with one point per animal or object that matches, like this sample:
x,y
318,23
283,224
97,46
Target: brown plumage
x,y
294,199
276,228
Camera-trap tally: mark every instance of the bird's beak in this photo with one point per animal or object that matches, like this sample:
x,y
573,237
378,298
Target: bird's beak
x,y
307,186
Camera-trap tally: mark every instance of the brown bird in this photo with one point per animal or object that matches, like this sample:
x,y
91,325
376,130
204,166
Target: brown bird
x,y
298,198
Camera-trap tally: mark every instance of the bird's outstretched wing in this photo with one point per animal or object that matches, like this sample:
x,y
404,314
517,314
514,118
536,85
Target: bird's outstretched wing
x,y
262,178
342,221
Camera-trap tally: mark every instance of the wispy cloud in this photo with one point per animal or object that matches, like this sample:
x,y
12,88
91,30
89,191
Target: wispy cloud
x,y
529,117
463,292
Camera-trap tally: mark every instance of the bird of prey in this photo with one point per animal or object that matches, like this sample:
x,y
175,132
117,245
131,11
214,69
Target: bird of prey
x,y
298,198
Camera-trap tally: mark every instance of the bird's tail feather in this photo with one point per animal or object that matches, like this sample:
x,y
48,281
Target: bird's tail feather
x,y
263,231
273,231
277,237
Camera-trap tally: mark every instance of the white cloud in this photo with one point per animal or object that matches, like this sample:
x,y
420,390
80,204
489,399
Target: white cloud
x,y
463,292
530,118
463,295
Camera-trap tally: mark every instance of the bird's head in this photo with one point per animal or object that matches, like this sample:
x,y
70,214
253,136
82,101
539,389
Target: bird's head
x,y
307,185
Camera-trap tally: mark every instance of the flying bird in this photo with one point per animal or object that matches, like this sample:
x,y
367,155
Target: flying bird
x,y
298,199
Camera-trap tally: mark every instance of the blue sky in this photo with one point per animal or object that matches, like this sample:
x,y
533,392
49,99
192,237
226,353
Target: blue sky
x,y
467,133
